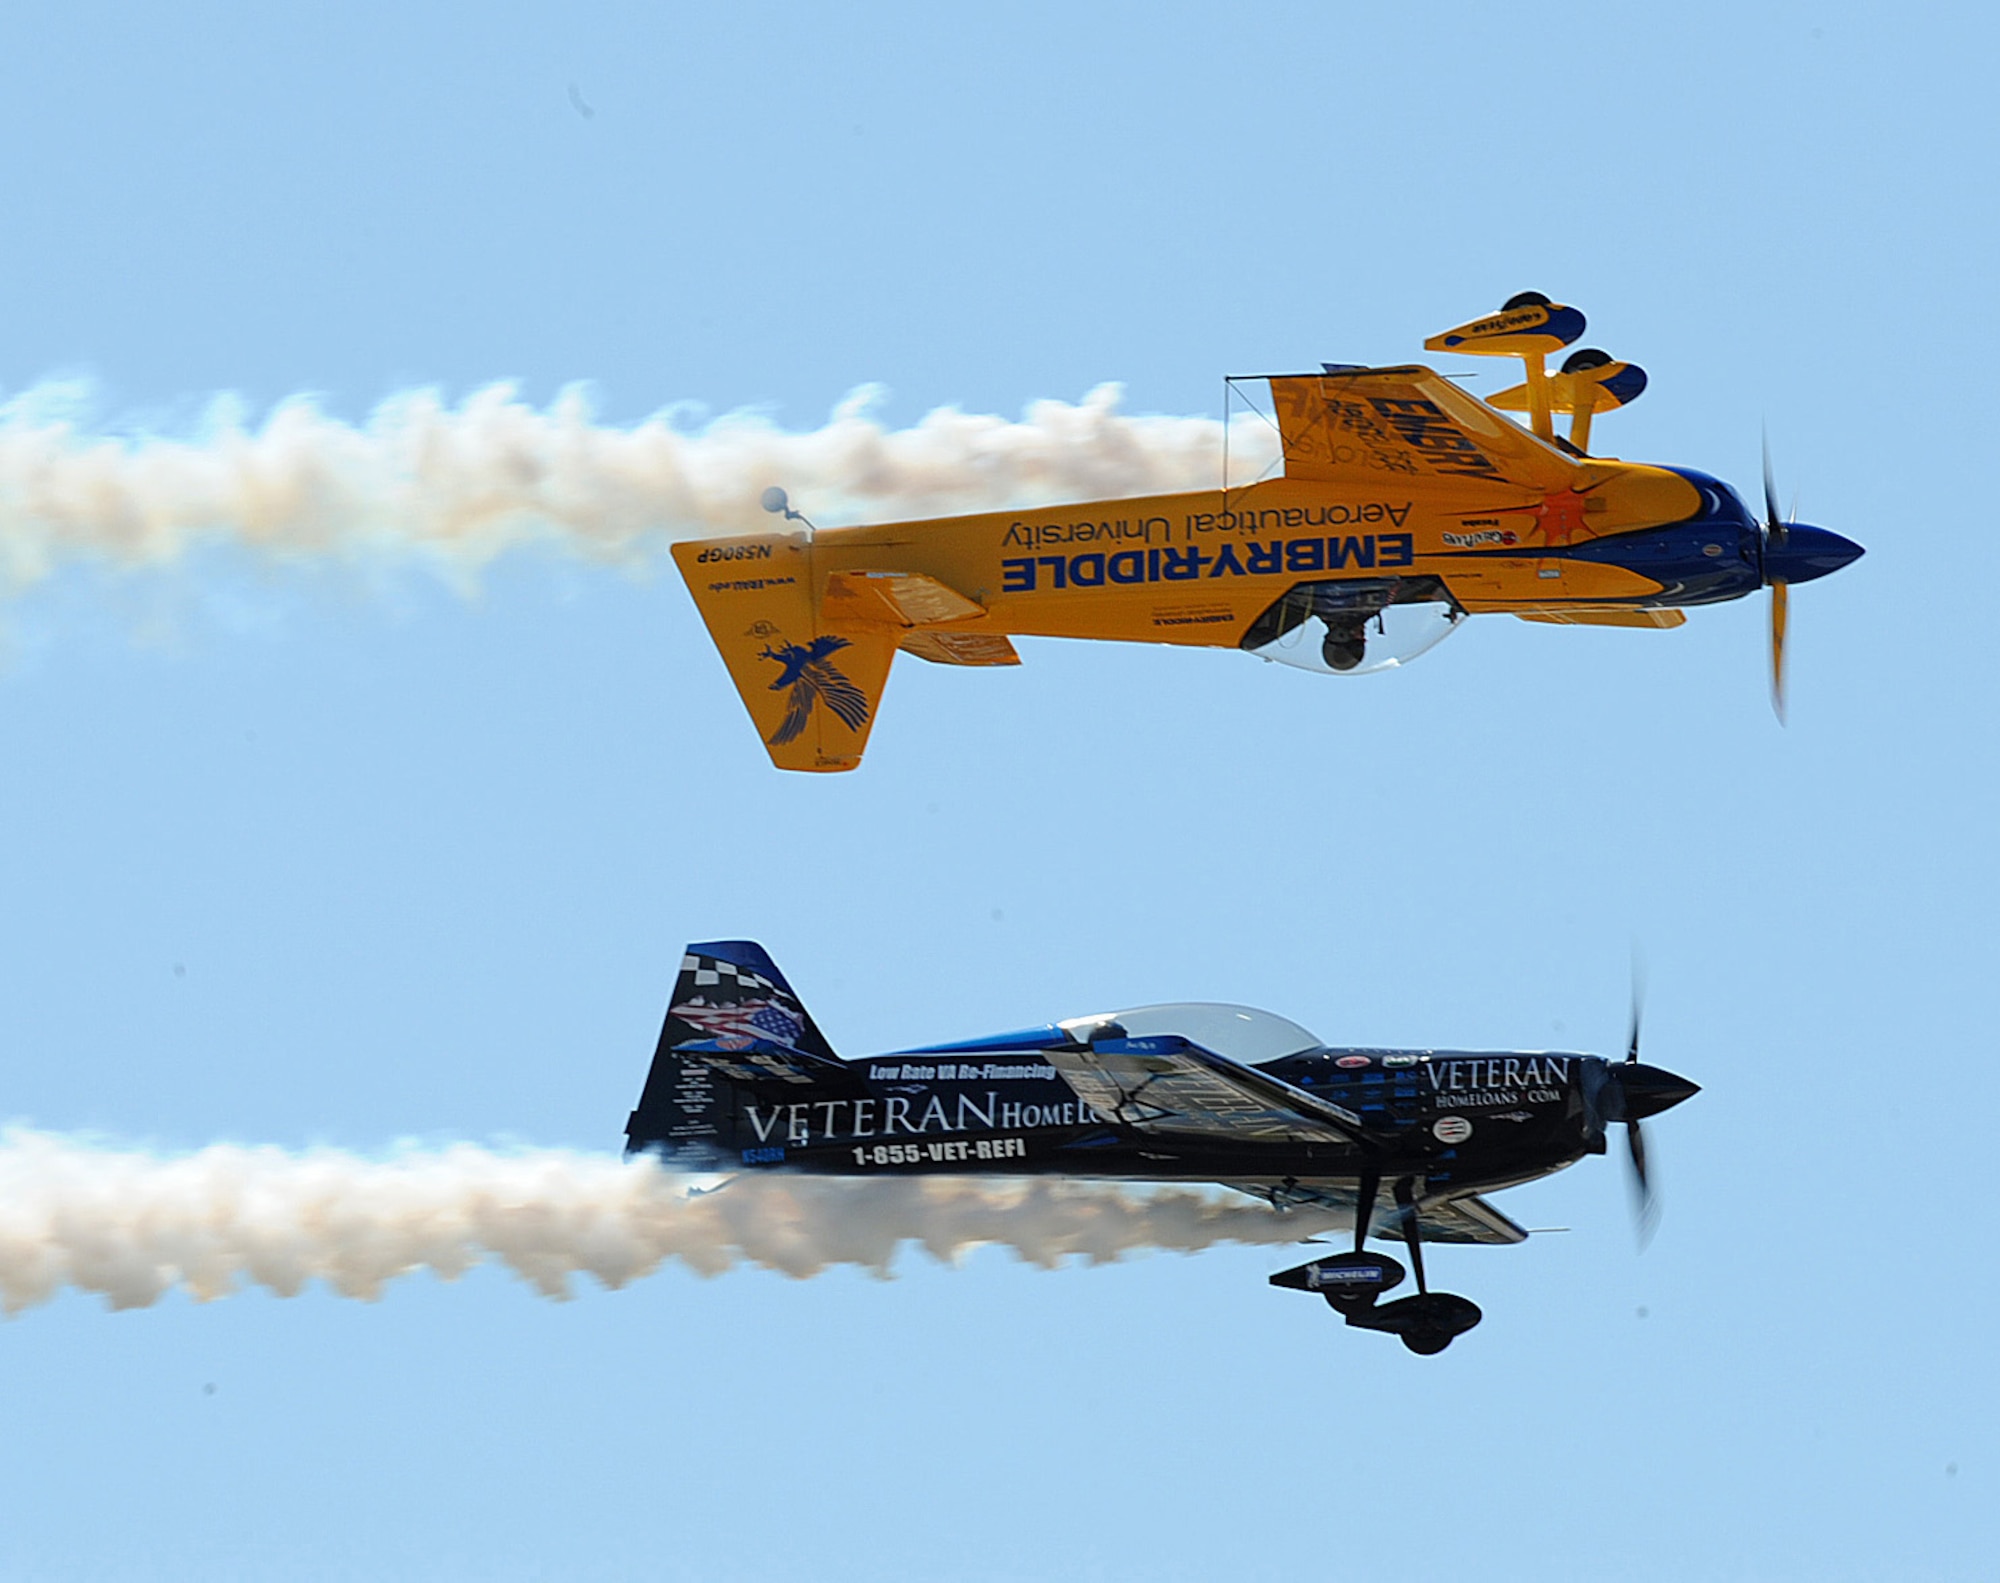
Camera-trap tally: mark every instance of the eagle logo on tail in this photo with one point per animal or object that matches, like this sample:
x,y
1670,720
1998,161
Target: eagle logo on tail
x,y
811,674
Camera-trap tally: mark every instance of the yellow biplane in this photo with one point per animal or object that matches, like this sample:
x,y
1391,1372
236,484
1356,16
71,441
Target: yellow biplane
x,y
1405,505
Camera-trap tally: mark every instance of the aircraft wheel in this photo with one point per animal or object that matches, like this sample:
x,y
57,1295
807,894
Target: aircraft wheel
x,y
1426,1323
1343,652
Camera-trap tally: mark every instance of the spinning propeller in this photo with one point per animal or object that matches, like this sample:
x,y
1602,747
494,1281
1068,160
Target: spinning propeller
x,y
1629,1091
1775,533
1791,552
1647,1204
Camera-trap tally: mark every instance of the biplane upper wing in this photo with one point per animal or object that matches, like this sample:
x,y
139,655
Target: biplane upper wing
x,y
1175,1088
1467,1218
1386,425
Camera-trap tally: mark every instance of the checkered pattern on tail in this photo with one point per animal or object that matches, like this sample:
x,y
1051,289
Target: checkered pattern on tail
x,y
716,1053
717,999
730,992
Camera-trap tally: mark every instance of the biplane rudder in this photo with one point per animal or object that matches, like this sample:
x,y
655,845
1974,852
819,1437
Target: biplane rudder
x,y
811,686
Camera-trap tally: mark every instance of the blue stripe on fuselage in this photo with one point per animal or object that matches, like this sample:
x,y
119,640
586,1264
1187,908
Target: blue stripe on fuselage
x,y
1702,560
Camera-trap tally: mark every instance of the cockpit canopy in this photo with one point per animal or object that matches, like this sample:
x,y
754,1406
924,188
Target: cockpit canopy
x,y
1243,1033
1351,628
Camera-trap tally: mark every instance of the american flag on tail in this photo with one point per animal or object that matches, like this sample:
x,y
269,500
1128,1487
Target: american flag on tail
x,y
743,1019
717,999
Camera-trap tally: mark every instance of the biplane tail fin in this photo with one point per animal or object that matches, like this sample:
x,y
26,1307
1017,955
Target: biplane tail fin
x,y
811,684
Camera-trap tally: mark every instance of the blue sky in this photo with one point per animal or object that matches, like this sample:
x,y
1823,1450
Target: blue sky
x,y
311,855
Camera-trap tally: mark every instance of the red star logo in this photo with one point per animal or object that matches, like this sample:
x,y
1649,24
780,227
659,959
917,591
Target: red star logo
x,y
1561,516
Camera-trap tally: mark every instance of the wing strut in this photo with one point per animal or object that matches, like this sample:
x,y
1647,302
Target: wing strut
x,y
1528,326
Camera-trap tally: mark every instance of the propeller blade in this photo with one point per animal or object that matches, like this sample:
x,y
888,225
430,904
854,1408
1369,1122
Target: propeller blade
x,y
1781,603
1773,523
1638,1004
1646,1206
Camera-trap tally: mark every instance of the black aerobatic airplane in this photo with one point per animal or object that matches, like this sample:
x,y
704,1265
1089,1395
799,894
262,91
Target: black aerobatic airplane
x,y
1405,1141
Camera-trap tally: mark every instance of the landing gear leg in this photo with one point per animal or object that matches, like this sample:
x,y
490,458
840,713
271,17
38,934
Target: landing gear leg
x,y
1350,1282
1430,1321
1353,1282
1406,1200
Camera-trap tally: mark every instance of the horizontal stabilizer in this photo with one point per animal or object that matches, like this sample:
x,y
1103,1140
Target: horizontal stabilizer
x,y
903,599
959,648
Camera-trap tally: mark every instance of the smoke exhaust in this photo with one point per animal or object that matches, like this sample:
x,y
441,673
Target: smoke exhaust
x,y
134,1226
454,487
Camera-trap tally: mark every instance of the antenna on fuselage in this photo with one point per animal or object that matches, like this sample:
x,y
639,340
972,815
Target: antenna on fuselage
x,y
776,501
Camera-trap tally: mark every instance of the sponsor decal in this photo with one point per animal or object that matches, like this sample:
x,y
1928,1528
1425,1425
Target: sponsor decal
x,y
959,1072
1451,1129
1520,319
1399,1060
1459,1073
751,585
1128,531
1497,1082
808,669
1503,1096
954,1152
1353,1062
890,1115
1368,513
1422,426
1028,574
1194,616
1318,1275
1472,540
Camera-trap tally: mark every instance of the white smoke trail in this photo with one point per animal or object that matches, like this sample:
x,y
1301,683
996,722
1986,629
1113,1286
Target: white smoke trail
x,y
457,486
134,1226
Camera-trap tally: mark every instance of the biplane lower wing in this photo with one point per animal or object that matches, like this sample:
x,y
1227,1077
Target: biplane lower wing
x,y
958,648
